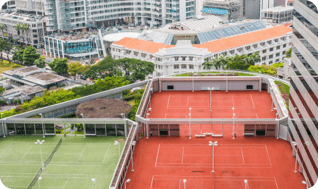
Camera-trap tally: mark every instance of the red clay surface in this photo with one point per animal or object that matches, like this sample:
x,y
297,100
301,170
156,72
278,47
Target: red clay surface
x,y
163,162
176,104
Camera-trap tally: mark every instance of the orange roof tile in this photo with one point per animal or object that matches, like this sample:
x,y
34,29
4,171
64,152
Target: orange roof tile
x,y
212,46
142,45
244,39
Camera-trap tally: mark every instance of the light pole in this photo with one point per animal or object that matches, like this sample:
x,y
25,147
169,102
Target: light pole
x,y
128,180
190,123
94,181
233,124
132,155
184,183
245,181
4,131
83,125
213,144
40,143
42,124
117,144
39,181
304,182
296,147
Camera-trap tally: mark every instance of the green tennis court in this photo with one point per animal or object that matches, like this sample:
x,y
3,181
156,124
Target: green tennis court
x,y
74,164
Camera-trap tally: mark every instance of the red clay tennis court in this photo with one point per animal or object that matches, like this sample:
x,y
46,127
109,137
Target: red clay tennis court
x,y
165,162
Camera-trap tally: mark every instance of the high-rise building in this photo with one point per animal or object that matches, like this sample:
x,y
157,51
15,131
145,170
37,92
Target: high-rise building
x,y
303,103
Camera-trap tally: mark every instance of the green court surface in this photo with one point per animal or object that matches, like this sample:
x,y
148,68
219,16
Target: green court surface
x,y
73,165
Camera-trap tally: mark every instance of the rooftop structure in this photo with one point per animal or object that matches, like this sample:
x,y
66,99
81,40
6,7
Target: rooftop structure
x,y
34,76
34,36
271,43
24,92
278,14
227,9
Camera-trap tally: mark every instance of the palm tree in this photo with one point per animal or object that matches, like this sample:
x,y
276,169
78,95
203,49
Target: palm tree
x,y
223,62
2,28
217,62
207,64
25,28
255,58
17,27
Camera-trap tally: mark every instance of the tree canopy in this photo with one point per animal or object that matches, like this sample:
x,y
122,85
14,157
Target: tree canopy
x,y
27,56
59,65
40,62
77,68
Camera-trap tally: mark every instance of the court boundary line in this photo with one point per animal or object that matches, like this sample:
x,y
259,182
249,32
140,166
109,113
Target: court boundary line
x,y
252,101
222,178
66,182
106,153
168,102
182,155
157,155
26,153
268,156
242,155
5,149
81,154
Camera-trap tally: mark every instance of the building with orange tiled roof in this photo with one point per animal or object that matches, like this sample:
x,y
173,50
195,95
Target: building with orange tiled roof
x,y
271,43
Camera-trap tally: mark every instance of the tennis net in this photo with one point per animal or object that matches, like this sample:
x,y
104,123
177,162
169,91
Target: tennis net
x,y
35,179
47,161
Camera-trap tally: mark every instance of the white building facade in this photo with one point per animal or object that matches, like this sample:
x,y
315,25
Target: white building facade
x,y
185,57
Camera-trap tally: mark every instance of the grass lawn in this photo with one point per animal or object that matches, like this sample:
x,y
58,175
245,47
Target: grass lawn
x,y
131,102
4,66
73,165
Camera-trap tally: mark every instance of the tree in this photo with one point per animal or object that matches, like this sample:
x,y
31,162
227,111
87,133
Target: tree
x,y
207,65
216,62
77,68
17,27
2,28
18,55
107,67
25,29
223,62
30,55
288,53
7,47
40,62
59,65
2,90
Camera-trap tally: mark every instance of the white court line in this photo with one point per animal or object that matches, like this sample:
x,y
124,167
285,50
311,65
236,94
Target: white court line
x,y
66,182
182,156
106,153
5,180
5,149
256,116
81,154
157,155
188,102
252,101
276,182
268,156
233,101
242,155
26,153
168,101
207,164
166,116
151,181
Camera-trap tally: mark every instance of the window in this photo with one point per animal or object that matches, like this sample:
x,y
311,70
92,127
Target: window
x,y
170,87
190,66
278,47
176,66
284,52
264,51
183,66
270,62
270,57
277,60
277,54
264,58
249,86
284,45
271,49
